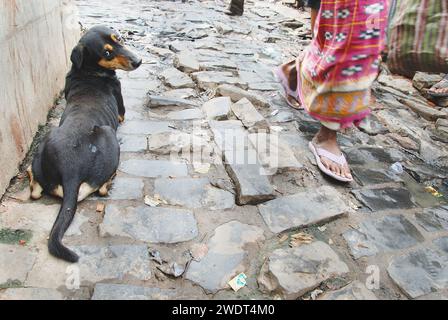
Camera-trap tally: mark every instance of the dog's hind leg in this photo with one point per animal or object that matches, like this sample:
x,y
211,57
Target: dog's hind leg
x,y
35,187
104,190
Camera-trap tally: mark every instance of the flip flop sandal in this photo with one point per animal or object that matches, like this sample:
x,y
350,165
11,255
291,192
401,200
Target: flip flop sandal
x,y
319,152
290,100
443,84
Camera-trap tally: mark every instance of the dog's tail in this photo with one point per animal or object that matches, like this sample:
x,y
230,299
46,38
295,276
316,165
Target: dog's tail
x,y
65,217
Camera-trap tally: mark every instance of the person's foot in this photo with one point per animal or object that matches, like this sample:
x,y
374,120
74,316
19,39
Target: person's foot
x,y
236,8
440,89
292,102
232,13
326,139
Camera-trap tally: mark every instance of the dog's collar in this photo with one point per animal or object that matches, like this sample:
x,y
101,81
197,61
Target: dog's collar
x,y
100,74
94,73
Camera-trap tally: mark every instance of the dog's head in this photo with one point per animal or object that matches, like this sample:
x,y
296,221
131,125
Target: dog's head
x,y
103,48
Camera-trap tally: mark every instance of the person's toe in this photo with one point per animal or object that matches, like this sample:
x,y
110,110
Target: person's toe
x,y
346,172
335,169
326,163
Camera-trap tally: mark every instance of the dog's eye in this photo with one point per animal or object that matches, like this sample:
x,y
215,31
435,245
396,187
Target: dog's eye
x,y
107,54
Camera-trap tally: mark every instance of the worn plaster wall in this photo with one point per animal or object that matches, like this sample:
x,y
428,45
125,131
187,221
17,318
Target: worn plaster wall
x,y
36,37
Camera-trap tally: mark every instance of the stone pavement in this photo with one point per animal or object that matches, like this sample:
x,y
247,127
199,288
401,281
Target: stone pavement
x,y
198,197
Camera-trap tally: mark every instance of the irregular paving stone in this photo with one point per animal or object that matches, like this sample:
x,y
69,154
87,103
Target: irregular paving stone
x,y
223,28
442,244
441,123
144,127
23,216
236,94
397,82
249,177
274,153
187,114
264,86
154,168
283,116
193,193
249,116
370,176
178,94
420,272
369,155
427,112
31,294
433,219
159,51
168,101
15,264
424,80
149,224
372,126
405,142
434,296
132,143
176,142
303,209
296,271
99,263
186,62
385,198
212,79
105,291
126,189
382,235
217,108
228,135
217,64
354,291
176,79
225,257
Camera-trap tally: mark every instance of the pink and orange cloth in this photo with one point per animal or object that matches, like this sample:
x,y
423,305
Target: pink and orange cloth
x,y
332,78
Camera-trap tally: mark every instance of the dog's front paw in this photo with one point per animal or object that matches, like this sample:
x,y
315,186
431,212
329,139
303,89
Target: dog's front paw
x,y
121,118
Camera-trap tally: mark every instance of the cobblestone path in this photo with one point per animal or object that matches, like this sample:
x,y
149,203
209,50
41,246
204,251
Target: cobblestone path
x,y
185,215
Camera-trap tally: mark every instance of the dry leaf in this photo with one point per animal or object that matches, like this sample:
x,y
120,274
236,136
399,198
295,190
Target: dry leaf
x,y
316,293
152,202
299,239
284,238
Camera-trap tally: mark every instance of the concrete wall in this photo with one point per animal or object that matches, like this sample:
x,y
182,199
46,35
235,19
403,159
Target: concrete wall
x,y
36,38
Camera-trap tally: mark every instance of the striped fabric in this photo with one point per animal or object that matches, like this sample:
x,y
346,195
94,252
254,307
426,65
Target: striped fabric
x,y
333,78
418,36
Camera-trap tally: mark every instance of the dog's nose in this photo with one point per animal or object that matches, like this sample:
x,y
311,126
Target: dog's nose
x,y
137,63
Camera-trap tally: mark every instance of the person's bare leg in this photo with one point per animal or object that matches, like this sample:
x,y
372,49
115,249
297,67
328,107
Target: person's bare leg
x,y
314,13
327,140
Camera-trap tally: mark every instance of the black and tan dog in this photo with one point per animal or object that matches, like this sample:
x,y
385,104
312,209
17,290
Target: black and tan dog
x,y
81,156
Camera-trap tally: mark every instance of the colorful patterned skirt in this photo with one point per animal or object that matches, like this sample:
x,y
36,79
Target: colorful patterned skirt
x,y
332,78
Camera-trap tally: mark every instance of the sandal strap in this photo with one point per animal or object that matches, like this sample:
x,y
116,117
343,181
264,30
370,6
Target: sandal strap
x,y
336,159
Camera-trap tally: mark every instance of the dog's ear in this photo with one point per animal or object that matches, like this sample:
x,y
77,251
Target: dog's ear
x,y
77,56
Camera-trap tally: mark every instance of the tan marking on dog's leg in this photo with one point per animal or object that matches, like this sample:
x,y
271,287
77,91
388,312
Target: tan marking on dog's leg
x,y
120,119
85,190
35,187
104,190
58,192
36,191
